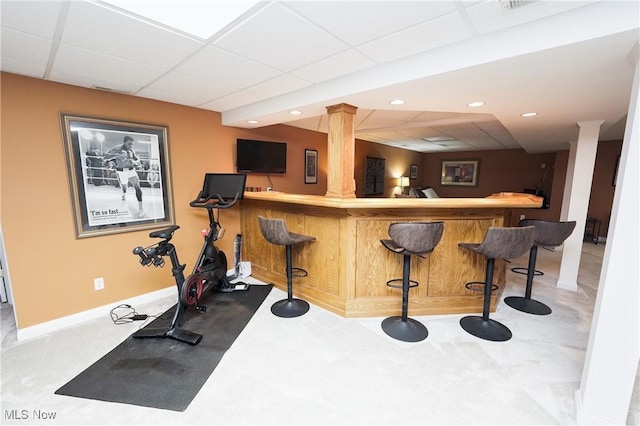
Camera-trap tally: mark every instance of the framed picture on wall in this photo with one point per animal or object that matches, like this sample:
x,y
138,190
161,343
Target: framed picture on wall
x,y
373,176
310,166
460,172
119,175
413,171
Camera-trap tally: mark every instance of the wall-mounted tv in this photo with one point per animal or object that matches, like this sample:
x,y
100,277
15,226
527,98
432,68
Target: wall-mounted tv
x,y
260,156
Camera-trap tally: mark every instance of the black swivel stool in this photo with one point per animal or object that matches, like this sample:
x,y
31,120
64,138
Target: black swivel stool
x,y
275,231
498,243
409,238
548,234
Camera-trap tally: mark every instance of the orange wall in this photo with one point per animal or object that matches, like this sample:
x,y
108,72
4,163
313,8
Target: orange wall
x,y
52,272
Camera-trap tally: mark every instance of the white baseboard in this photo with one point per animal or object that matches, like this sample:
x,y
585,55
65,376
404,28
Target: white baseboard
x,y
71,320
585,418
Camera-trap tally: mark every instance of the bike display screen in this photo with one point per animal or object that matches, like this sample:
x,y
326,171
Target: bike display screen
x,y
227,185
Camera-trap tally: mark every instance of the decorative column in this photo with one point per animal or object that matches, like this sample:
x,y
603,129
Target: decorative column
x,y
341,151
583,154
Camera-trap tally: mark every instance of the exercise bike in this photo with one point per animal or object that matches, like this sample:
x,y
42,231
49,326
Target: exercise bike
x,y
210,269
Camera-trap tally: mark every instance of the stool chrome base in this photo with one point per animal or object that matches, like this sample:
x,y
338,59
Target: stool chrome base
x,y
409,331
290,308
529,306
485,329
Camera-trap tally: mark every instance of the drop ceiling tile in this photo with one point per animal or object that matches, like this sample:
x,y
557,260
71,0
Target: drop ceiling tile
x,y
215,64
25,48
185,90
76,61
316,124
279,85
22,68
490,16
357,22
96,28
334,66
461,131
484,143
427,116
281,39
231,101
420,132
200,18
438,32
68,77
381,119
34,17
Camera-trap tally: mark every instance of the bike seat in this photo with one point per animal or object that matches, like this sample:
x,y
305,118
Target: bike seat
x,y
166,233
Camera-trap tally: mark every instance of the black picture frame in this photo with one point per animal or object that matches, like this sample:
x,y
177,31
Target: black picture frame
x,y
374,172
413,171
101,205
310,166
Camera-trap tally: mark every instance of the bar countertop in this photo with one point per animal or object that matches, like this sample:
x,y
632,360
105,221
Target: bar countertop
x,y
498,200
348,266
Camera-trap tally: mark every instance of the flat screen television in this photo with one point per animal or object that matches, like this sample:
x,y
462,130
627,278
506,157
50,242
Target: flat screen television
x,y
260,156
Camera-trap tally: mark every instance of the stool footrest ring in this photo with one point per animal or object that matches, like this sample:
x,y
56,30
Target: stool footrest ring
x,y
391,283
479,286
525,271
298,272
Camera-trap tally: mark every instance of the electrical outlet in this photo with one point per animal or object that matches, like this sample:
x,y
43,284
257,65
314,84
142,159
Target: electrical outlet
x,y
98,283
521,217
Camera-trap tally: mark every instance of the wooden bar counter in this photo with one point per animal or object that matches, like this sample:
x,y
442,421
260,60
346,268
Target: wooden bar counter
x,y
348,266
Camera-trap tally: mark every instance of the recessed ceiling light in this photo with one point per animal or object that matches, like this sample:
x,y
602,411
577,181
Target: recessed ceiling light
x,y
252,121
295,112
396,102
528,114
475,104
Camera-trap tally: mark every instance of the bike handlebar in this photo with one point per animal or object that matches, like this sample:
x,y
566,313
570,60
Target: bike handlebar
x,y
214,201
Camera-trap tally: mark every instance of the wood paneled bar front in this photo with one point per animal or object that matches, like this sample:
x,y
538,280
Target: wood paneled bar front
x,y
348,266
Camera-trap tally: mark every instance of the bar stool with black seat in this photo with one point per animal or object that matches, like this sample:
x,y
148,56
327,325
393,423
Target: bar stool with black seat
x,y
548,234
407,239
275,231
498,243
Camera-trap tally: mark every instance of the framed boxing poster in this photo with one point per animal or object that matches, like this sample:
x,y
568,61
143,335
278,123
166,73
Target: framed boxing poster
x,y
119,175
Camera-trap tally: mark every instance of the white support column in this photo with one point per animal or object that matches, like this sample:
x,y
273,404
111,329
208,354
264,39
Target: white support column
x,y
585,159
613,351
566,196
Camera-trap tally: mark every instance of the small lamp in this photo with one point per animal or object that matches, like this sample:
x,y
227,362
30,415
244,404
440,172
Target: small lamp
x,y
402,182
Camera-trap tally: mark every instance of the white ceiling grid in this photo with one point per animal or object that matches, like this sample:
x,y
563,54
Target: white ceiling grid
x,y
260,59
